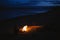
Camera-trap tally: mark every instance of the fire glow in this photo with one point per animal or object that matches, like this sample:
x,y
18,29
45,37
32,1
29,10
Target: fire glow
x,y
27,28
24,28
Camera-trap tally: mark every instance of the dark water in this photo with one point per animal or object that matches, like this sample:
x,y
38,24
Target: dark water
x,y
8,13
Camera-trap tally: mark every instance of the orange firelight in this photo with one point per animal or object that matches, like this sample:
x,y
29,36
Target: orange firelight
x,y
24,28
27,28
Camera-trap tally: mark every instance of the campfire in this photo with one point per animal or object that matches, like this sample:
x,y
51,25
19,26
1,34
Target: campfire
x,y
27,29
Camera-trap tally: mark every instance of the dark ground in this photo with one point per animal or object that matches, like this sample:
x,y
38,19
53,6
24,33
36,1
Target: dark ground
x,y
50,21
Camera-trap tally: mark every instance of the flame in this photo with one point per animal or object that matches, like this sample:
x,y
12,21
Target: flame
x,y
27,28
24,28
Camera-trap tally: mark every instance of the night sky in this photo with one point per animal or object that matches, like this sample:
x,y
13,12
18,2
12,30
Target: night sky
x,y
14,8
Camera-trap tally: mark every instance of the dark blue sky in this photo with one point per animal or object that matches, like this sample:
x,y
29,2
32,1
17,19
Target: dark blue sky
x,y
6,14
15,3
